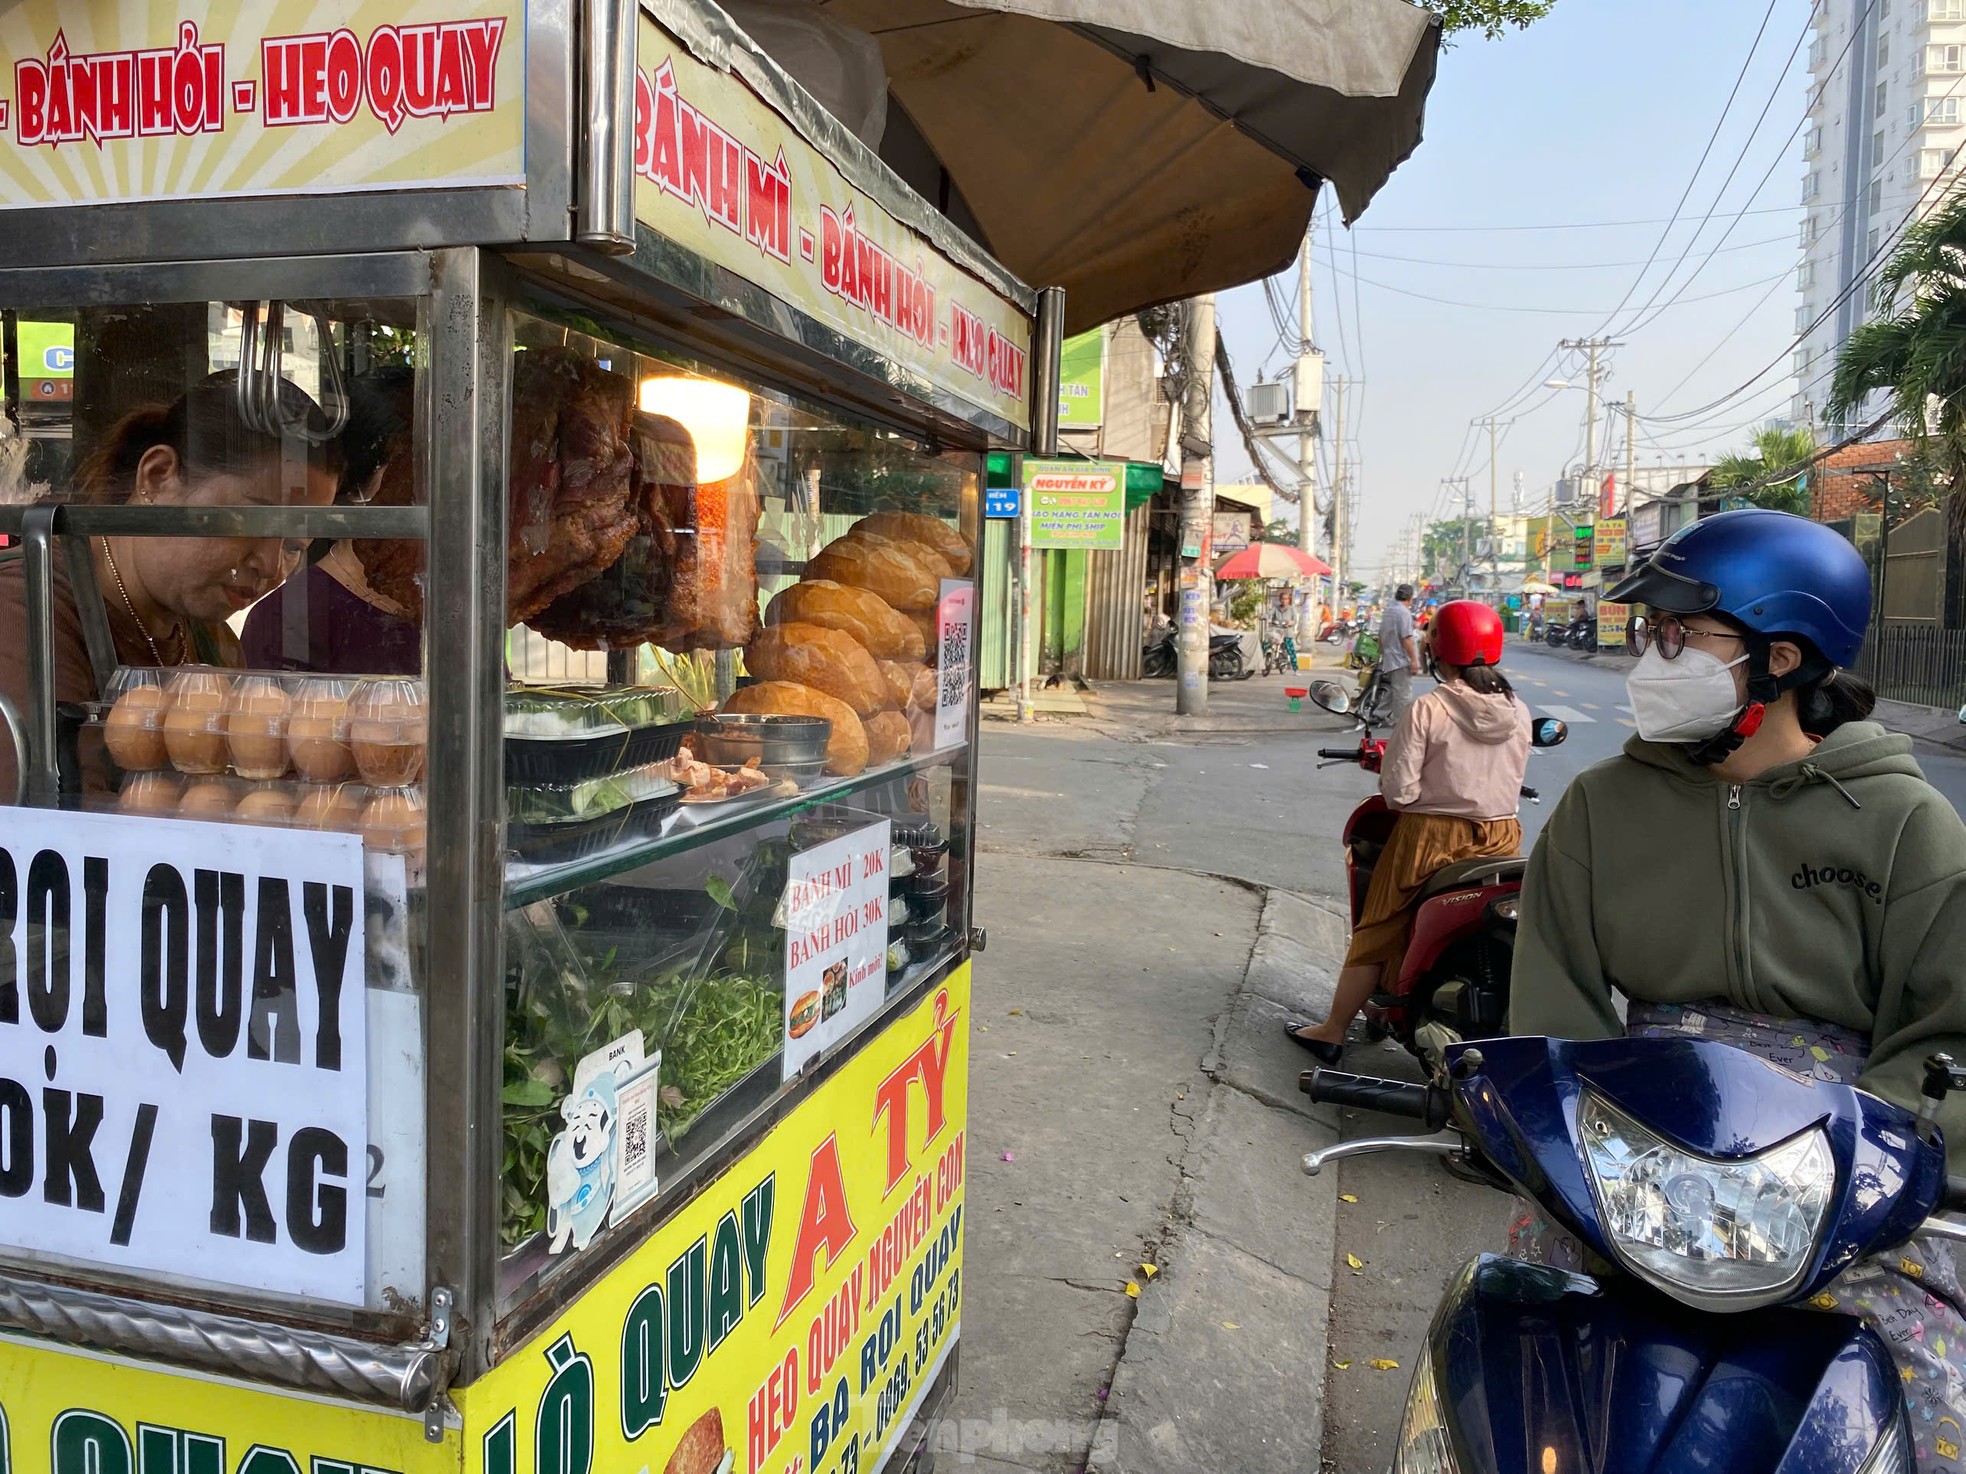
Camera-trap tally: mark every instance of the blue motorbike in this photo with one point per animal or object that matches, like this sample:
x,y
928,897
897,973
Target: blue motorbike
x,y
1714,1192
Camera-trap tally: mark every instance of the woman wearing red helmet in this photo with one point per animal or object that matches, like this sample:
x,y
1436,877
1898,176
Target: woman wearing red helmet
x,y
1453,771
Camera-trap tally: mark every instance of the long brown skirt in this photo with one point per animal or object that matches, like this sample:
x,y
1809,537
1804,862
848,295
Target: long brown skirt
x,y
1420,844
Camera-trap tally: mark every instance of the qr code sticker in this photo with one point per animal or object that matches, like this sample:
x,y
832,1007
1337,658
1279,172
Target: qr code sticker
x,y
955,644
635,1140
954,687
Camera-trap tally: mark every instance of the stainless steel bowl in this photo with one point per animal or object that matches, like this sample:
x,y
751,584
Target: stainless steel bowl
x,y
775,741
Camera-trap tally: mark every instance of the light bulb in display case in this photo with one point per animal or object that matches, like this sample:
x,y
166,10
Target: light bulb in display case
x,y
717,416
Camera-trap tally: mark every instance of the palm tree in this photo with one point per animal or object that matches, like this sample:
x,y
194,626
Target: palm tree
x,y
1913,348
1773,452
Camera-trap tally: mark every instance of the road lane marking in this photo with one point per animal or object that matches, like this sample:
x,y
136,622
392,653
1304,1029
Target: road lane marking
x,y
1569,714
1564,694
1627,722
1592,706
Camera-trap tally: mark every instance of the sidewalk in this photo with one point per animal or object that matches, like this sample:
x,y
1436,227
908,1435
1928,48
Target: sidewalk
x,y
1148,885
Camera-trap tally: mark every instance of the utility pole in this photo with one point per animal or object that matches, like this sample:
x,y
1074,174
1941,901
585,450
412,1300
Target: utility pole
x,y
1337,559
1494,499
1197,507
1631,451
1308,384
1590,347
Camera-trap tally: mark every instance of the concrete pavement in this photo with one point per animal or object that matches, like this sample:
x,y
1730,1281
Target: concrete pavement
x,y
1133,1101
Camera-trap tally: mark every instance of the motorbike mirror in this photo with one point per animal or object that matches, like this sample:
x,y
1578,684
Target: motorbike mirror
x,y
1333,697
1548,731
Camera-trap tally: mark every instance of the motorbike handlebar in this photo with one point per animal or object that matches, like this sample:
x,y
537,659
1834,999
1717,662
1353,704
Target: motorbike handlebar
x,y
1954,1200
1425,1103
1531,794
1342,754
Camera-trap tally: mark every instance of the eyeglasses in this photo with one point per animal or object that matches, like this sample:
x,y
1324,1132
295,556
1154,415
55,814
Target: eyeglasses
x,y
1670,633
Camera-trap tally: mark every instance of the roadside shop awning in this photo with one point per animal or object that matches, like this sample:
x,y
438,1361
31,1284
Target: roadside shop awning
x,y
1136,151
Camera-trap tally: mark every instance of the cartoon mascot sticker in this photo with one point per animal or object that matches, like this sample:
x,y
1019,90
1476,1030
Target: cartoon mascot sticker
x,y
580,1164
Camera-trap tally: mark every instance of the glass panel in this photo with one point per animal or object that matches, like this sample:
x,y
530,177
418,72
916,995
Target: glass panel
x,y
736,763
256,683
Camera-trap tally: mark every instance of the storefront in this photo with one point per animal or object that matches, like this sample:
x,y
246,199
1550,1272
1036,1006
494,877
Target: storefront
x,y
430,1064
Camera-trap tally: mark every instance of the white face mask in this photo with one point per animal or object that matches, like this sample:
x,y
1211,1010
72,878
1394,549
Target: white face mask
x,y
1683,700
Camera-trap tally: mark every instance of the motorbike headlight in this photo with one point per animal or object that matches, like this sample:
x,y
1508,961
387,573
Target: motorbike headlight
x,y
1424,1447
1721,1235
1891,1454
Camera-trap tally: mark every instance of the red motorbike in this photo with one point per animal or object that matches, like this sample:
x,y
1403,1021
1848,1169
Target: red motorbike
x,y
1453,981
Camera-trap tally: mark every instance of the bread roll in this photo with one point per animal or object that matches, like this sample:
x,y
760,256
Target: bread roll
x,y
900,676
864,615
924,620
927,554
914,527
825,659
888,570
888,736
922,697
846,747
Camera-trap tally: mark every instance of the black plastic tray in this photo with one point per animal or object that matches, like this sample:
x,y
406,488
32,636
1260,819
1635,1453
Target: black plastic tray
x,y
544,761
556,844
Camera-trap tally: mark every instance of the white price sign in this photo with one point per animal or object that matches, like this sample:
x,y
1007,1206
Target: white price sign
x,y
183,1050
955,628
835,912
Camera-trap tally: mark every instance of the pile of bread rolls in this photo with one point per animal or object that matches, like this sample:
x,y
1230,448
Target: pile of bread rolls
x,y
854,640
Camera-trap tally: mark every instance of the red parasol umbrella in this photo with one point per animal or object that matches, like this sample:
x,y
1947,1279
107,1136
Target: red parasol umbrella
x,y
1273,560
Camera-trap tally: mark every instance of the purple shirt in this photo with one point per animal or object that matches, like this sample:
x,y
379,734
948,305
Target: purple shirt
x,y
344,635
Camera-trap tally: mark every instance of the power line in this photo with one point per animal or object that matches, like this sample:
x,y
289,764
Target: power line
x,y
1569,225
1712,138
1563,311
1543,266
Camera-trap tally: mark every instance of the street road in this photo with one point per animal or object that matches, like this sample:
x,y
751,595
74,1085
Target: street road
x,y
1591,698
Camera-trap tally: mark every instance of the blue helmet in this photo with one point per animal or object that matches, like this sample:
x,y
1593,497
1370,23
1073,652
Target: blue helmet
x,y
1774,573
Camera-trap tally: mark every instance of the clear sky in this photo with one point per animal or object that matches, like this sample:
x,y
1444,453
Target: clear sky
x,y
1598,113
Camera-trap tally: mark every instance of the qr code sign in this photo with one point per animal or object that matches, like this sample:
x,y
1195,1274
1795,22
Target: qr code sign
x,y
635,1141
954,686
955,644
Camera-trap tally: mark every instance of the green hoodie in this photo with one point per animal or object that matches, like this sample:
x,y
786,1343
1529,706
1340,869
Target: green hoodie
x,y
1831,888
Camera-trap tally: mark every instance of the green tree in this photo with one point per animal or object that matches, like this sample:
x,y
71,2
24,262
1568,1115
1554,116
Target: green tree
x,y
1276,530
1913,348
1490,17
1760,470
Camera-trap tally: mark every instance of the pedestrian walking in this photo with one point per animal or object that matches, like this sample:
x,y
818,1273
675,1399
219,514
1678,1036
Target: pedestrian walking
x,y
1399,650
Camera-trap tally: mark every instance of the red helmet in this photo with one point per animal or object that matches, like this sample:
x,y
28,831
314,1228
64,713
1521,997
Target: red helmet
x,y
1467,633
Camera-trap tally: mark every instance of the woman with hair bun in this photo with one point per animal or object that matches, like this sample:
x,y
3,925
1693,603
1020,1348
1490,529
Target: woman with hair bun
x,y
167,598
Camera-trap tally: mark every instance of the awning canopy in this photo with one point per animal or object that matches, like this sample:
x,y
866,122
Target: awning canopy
x,y
1139,151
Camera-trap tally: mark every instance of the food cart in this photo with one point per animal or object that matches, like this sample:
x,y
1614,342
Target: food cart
x,y
547,1052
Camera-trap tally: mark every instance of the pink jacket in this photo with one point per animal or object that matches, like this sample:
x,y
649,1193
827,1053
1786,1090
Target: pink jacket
x,y
1459,753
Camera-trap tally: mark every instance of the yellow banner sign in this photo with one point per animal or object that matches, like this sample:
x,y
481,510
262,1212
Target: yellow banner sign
x,y
791,1317
1610,542
1613,624
204,99
717,170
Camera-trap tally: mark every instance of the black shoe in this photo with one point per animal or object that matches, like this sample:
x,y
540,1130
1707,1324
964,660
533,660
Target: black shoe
x,y
1327,1053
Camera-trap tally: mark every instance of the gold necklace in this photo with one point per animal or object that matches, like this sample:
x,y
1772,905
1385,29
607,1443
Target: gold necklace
x,y
142,628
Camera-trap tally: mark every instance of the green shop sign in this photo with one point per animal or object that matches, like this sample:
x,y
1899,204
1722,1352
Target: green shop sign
x,y
1082,381
1076,504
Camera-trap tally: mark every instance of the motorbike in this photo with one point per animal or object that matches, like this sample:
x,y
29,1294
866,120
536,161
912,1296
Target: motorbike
x,y
1279,653
1714,1195
1583,634
1160,656
1334,631
1556,634
1453,981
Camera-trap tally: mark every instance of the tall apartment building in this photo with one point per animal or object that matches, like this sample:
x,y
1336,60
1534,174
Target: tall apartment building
x,y
1887,117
